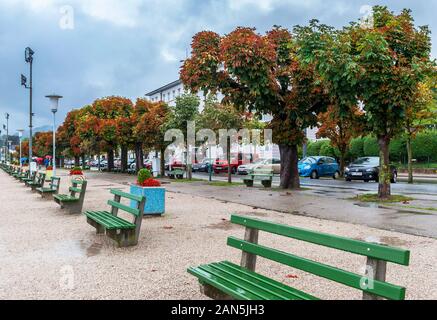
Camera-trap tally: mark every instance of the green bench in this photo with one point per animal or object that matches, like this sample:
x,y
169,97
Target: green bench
x,y
38,182
16,173
74,201
23,175
123,232
30,178
225,280
265,176
53,189
176,174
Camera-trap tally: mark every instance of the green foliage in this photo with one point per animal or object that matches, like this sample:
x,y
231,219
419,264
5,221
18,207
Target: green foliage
x,y
425,146
186,109
143,175
371,147
357,148
328,150
398,149
313,149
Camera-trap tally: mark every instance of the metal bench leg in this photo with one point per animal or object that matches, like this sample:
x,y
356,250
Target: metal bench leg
x,y
75,208
248,183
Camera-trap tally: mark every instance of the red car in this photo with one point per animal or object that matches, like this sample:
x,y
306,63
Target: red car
x,y
222,166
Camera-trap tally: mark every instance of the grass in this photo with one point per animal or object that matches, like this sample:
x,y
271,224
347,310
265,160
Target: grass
x,y
413,207
420,166
224,184
370,197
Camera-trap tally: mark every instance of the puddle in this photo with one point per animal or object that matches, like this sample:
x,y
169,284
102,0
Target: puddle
x,y
369,205
78,249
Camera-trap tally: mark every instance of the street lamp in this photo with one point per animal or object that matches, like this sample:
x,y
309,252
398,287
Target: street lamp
x,y
7,133
54,101
28,57
20,135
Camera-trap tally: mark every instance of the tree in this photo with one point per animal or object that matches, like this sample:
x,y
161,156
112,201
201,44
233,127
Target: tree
x,y
67,137
394,57
261,74
340,130
186,110
416,112
150,119
43,143
216,116
107,111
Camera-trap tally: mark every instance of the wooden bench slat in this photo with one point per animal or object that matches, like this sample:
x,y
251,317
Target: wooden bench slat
x,y
350,279
77,190
127,195
380,252
123,207
109,221
275,290
222,285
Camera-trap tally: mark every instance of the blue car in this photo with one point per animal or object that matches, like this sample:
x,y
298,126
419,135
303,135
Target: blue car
x,y
316,167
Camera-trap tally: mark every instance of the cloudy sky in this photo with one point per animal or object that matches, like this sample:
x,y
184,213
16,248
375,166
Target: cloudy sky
x,y
86,49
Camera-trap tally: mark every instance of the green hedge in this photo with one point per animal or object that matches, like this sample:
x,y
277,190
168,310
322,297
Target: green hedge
x,y
424,148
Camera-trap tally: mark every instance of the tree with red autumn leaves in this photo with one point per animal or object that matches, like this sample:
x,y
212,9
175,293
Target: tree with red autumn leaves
x,y
149,119
106,113
261,74
340,130
43,143
67,138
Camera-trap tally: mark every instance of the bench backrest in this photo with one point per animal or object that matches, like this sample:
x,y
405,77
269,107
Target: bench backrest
x,y
137,212
78,187
55,183
40,178
368,285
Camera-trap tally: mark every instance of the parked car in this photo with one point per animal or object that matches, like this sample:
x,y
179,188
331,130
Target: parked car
x,y
264,164
316,167
175,164
203,165
222,166
367,169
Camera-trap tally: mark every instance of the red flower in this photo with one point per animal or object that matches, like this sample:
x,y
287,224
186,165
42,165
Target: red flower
x,y
151,183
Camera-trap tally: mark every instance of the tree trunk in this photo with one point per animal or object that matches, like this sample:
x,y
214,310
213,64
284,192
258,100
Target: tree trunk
x,y
188,164
228,154
384,190
110,160
162,162
139,157
342,163
124,159
289,171
83,162
76,161
410,160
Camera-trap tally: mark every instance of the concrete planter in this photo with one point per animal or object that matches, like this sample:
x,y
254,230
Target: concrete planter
x,y
155,199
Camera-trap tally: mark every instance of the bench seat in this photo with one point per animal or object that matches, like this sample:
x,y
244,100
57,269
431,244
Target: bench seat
x,y
65,198
244,284
109,221
46,190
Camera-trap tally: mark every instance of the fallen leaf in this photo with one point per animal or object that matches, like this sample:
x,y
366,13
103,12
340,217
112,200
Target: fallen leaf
x,y
168,228
291,276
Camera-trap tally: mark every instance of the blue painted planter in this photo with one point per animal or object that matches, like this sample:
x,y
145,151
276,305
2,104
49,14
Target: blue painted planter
x,y
155,199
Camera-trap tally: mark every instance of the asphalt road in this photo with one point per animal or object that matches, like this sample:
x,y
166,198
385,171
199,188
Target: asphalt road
x,y
398,188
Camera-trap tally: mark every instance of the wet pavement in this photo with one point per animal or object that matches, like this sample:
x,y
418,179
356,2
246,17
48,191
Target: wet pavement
x,y
324,199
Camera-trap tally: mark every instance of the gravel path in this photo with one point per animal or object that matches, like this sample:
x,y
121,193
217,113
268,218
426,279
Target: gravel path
x,y
47,254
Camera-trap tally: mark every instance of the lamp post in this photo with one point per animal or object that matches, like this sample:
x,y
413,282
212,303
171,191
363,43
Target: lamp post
x,y
7,135
28,57
54,101
1,147
20,135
